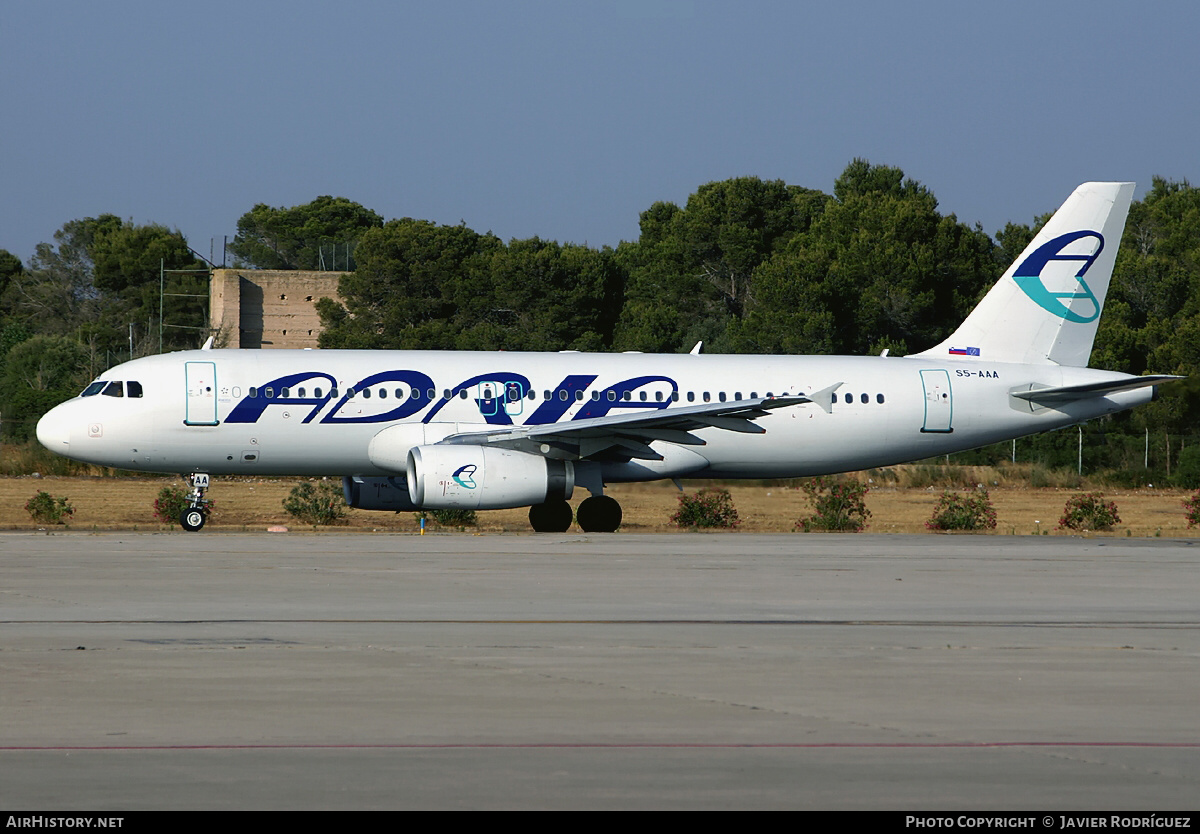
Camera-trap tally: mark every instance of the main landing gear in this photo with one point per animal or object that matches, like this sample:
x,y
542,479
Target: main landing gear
x,y
551,517
597,514
196,512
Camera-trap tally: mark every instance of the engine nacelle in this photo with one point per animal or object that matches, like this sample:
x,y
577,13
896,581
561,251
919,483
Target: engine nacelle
x,y
377,494
482,478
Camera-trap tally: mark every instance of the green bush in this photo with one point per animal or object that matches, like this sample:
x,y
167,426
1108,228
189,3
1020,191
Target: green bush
x,y
955,511
44,508
1089,511
1131,478
172,501
838,506
454,517
1187,468
320,504
710,507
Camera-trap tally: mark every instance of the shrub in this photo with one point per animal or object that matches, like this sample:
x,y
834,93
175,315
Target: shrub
x,y
454,517
709,507
1192,507
44,508
954,511
172,501
321,504
1089,511
1187,468
838,506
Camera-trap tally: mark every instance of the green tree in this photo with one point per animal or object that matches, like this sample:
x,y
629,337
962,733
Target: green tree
x,y
540,295
10,267
878,268
292,238
690,270
408,286
56,294
1151,320
38,374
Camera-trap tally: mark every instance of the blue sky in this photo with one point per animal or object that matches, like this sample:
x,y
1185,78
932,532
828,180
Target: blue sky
x,y
566,120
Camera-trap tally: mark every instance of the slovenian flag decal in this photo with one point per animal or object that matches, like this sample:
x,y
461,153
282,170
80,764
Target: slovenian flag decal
x,y
967,351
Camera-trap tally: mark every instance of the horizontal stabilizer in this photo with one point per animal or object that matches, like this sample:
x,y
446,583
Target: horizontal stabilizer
x,y
1070,393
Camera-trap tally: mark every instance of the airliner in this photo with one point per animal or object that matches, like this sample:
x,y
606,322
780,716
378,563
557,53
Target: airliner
x,y
423,430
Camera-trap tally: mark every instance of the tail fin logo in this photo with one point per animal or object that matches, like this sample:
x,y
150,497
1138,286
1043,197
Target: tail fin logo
x,y
1063,300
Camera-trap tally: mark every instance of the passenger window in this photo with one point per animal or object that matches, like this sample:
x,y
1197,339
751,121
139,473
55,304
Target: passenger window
x,y
253,393
707,397
691,396
269,393
754,395
284,393
578,396
300,392
462,394
612,396
643,396
674,396
658,396
721,396
366,392
864,399
879,398
627,396
595,396
333,392
737,395
562,394
317,392
134,389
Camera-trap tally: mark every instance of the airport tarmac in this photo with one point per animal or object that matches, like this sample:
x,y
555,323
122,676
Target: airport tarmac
x,y
302,671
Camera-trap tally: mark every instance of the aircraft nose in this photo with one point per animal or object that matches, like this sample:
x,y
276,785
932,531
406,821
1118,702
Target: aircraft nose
x,y
54,430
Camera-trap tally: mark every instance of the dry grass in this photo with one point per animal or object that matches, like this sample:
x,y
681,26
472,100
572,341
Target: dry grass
x,y
105,503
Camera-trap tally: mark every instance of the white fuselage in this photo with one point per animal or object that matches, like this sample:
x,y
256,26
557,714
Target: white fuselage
x,y
292,413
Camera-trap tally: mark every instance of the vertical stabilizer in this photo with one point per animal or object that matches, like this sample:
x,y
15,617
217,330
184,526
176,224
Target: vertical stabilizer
x,y
1046,306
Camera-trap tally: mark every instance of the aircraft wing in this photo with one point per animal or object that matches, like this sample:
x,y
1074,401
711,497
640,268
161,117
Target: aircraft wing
x,y
1067,393
629,435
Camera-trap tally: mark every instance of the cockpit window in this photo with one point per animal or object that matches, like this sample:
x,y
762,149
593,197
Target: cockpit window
x,y
114,389
94,389
134,388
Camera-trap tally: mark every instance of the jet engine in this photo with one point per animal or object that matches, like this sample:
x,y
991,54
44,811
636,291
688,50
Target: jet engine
x,y
482,478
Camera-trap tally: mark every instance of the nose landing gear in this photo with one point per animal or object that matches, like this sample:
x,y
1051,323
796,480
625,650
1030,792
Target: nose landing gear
x,y
196,512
